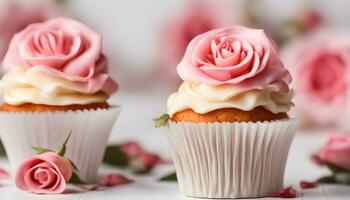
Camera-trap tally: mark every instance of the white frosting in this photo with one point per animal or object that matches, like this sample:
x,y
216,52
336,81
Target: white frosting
x,y
30,85
203,98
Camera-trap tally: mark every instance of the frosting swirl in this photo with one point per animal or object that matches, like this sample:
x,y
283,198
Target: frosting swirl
x,y
32,85
203,98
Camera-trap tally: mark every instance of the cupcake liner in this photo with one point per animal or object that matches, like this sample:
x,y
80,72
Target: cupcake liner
x,y
86,146
230,160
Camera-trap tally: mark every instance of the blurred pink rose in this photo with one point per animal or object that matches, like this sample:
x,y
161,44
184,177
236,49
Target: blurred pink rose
x,y
336,151
320,64
310,20
15,16
46,173
197,17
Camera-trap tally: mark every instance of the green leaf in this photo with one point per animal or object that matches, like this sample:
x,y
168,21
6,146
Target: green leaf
x,y
63,148
169,177
336,169
40,150
74,165
161,121
115,157
326,179
75,179
2,150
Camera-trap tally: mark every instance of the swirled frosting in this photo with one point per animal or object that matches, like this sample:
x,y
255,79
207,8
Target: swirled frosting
x,y
31,85
203,98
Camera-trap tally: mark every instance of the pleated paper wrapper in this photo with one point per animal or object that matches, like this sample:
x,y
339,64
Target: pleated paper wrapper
x,y
230,160
86,146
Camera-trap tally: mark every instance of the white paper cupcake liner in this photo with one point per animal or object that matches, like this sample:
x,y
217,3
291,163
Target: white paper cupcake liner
x,y
86,147
230,160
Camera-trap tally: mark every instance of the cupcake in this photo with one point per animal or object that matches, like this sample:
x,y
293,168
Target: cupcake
x,y
54,82
227,124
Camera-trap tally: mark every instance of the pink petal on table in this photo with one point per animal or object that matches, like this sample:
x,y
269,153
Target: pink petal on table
x,y
111,180
288,192
307,185
4,173
315,158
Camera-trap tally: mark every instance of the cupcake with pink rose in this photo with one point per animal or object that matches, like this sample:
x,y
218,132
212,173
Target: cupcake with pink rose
x,y
228,124
55,81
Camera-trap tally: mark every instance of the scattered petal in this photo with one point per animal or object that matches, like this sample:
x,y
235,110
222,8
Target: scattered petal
x,y
307,185
110,180
4,173
315,158
288,192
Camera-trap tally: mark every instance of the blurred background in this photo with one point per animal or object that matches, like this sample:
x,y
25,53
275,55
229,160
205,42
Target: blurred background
x,y
144,41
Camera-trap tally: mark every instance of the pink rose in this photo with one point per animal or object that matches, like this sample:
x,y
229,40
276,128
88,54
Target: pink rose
x,y
233,55
320,64
184,25
336,151
310,20
25,14
46,173
62,48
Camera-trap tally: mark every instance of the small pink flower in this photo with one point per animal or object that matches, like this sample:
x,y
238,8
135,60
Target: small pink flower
x,y
46,173
336,151
307,185
132,149
320,66
151,160
310,19
288,192
4,173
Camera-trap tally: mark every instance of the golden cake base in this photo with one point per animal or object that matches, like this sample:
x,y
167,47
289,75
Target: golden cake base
x,y
228,115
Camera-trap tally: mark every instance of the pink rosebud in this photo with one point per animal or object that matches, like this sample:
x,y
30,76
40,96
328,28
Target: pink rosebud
x,y
112,180
288,192
132,149
310,19
320,64
336,151
4,173
307,185
46,173
151,160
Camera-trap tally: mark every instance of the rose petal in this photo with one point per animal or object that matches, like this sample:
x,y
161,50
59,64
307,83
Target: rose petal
x,y
288,192
307,185
4,173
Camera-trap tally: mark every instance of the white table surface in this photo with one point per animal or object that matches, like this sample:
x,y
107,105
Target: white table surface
x,y
299,167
